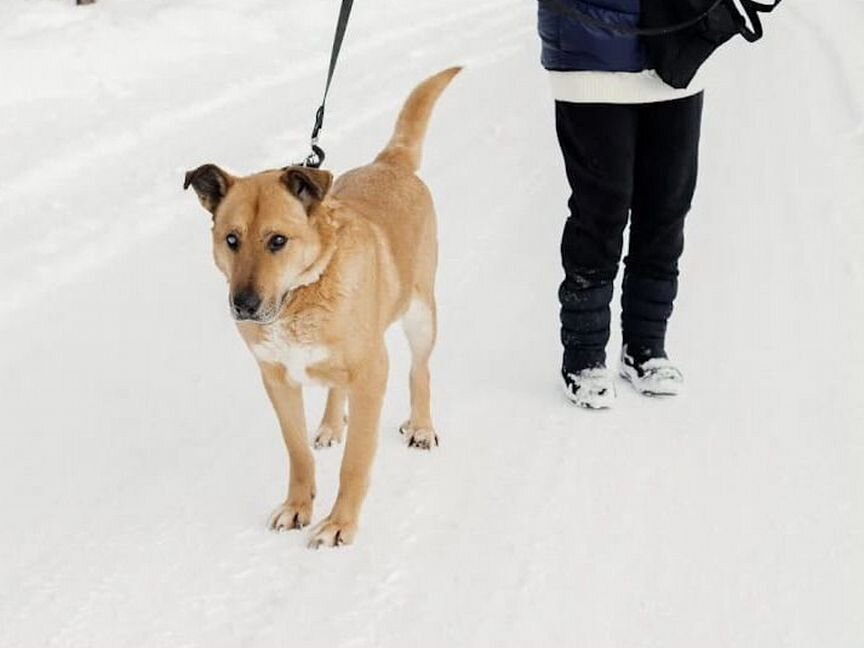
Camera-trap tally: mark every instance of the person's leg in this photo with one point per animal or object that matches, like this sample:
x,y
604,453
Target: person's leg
x,y
598,145
664,182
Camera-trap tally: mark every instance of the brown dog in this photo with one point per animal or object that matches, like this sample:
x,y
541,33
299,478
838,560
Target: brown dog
x,y
317,274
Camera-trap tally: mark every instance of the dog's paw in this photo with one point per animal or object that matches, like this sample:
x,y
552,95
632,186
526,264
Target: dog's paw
x,y
328,435
331,532
423,438
291,515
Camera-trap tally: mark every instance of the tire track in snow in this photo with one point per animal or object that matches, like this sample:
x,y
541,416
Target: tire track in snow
x,y
836,64
62,168
95,244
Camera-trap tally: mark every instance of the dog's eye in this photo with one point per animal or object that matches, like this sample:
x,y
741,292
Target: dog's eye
x,y
277,242
232,241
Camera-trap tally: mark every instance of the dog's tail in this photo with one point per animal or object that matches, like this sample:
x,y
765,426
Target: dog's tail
x,y
405,148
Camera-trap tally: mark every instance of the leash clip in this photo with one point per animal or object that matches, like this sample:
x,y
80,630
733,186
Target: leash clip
x,y
315,158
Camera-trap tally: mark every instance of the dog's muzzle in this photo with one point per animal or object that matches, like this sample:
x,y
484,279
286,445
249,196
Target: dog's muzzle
x,y
245,305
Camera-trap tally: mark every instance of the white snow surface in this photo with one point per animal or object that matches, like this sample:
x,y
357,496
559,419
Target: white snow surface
x,y
139,456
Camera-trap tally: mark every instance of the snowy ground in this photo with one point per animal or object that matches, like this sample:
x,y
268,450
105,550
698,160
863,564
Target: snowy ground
x,y
139,456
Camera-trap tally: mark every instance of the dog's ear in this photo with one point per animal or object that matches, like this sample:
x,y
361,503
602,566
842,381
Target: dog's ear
x,y
307,185
210,183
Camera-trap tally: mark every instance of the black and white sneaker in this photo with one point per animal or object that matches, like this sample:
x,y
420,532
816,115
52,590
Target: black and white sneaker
x,y
589,388
652,376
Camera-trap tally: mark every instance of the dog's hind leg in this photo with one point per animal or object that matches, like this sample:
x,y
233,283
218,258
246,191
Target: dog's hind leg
x,y
420,326
333,422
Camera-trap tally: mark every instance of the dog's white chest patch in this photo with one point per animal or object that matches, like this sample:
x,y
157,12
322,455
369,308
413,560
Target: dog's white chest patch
x,y
296,358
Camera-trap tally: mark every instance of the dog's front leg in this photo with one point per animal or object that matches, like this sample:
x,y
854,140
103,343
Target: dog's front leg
x,y
287,399
365,396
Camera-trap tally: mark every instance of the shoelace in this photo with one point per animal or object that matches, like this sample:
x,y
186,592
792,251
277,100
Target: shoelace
x,y
589,380
661,368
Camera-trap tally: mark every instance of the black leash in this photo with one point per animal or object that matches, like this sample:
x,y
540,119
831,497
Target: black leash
x,y
751,8
316,157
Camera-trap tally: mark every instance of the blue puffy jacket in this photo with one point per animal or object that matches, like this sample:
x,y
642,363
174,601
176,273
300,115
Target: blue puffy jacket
x,y
569,45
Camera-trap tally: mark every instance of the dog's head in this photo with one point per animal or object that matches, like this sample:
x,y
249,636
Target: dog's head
x,y
266,240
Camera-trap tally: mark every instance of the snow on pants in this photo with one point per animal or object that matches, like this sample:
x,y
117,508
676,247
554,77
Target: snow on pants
x,y
636,160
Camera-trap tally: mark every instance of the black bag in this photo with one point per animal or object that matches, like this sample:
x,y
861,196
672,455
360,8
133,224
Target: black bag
x,y
680,35
677,55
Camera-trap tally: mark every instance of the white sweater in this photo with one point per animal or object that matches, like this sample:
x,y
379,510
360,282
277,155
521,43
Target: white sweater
x,y
615,87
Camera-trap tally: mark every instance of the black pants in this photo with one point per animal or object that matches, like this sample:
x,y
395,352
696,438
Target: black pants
x,y
624,159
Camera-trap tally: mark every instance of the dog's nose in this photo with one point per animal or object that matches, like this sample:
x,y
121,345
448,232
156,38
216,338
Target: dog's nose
x,y
245,304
